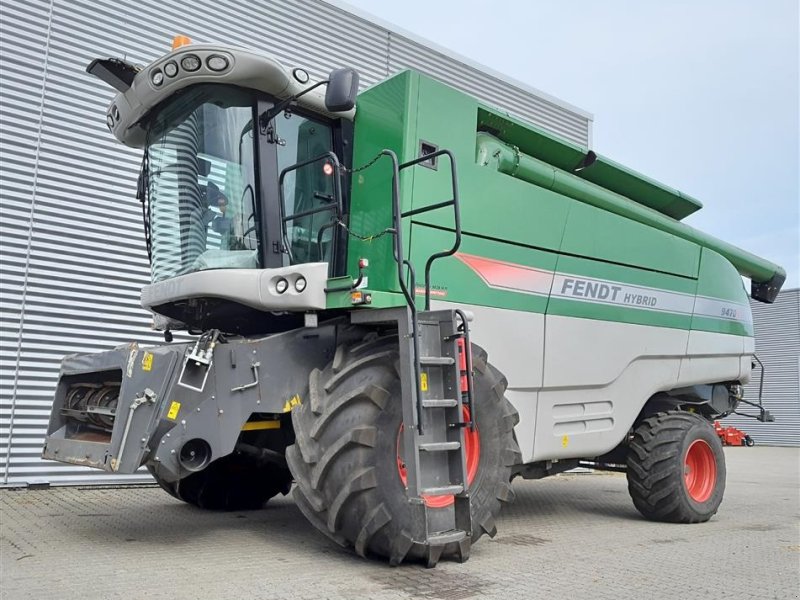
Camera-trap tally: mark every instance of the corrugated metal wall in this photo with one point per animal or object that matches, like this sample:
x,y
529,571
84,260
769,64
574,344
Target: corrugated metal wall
x,y
72,259
778,347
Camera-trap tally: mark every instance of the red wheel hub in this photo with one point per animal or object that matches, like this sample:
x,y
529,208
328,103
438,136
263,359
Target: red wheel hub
x,y
700,471
472,448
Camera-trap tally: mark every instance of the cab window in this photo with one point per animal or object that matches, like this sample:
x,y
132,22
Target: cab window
x,y
309,237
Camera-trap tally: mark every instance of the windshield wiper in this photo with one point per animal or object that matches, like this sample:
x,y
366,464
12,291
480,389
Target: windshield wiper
x,y
142,195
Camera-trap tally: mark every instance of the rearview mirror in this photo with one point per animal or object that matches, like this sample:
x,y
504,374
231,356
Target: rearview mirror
x,y
342,90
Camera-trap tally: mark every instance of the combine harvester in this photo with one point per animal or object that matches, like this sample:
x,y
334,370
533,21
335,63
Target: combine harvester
x,y
348,287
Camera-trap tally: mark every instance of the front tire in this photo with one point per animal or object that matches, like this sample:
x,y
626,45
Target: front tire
x,y
345,457
229,483
676,468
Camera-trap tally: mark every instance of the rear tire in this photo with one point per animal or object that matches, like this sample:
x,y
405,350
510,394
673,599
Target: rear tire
x,y
229,483
676,468
345,459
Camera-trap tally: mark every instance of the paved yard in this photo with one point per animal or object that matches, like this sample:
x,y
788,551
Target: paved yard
x,y
569,537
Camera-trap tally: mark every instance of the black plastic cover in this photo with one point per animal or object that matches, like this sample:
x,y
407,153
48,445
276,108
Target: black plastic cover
x,y
342,90
767,291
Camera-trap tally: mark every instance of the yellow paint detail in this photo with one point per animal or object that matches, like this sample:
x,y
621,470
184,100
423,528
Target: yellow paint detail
x,y
565,441
259,425
423,382
147,361
291,403
173,410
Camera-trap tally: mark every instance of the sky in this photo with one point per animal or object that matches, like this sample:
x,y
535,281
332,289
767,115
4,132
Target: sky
x,y
699,95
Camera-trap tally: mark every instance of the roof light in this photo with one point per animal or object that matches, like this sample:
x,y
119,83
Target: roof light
x,y
171,68
301,75
215,62
190,62
179,41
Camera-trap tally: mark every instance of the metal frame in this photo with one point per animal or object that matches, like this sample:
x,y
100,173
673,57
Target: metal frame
x,y
397,225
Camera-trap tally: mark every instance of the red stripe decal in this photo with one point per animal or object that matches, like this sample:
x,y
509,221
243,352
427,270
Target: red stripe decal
x,y
509,276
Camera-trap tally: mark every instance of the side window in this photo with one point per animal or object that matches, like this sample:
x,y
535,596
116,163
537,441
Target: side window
x,y
307,188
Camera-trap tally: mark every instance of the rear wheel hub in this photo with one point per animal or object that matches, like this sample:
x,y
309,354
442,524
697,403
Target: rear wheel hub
x,y
700,471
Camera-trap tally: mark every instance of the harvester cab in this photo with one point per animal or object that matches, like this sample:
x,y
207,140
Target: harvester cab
x,y
240,183
287,230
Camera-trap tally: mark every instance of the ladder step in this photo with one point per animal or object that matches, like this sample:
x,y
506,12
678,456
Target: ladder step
x,y
439,446
440,361
446,490
447,537
439,403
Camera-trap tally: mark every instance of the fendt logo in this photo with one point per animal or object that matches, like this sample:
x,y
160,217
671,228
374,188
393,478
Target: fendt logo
x,y
597,290
590,289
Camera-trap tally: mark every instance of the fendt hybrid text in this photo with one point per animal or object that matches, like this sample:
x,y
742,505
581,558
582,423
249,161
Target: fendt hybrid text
x,y
402,299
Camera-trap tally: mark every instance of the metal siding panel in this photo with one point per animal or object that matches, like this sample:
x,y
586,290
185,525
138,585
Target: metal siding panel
x,y
85,260
24,32
777,328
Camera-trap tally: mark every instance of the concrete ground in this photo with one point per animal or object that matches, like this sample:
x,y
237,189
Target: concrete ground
x,y
567,537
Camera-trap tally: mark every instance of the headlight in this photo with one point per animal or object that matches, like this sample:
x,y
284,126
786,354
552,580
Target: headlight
x,y
157,77
190,62
110,122
300,284
215,62
171,69
281,285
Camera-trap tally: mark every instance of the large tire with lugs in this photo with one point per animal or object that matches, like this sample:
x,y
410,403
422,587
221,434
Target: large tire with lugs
x,y
232,482
345,457
676,468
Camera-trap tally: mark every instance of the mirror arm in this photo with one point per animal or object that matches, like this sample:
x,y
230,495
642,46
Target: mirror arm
x,y
270,114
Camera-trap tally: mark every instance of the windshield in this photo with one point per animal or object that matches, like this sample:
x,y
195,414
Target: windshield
x,y
201,185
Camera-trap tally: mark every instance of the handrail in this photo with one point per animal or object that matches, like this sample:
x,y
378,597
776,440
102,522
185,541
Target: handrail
x,y
454,202
402,262
468,361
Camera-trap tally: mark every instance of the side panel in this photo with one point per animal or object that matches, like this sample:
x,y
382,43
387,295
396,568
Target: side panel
x,y
603,235
597,376
587,313
381,122
514,341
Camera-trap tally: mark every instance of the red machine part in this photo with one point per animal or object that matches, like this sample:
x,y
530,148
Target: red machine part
x,y
731,436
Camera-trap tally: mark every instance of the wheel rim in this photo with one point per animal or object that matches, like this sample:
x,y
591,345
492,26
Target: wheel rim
x,y
472,447
700,471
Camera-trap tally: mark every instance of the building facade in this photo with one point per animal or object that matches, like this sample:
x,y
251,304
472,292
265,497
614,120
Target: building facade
x,y
73,257
778,348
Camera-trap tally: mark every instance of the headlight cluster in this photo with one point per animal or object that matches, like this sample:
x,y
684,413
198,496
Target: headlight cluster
x,y
282,284
189,63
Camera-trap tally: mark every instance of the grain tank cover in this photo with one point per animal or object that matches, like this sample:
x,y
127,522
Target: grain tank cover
x,y
602,171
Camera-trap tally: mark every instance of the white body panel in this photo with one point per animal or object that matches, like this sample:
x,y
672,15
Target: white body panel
x,y
580,383
502,333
